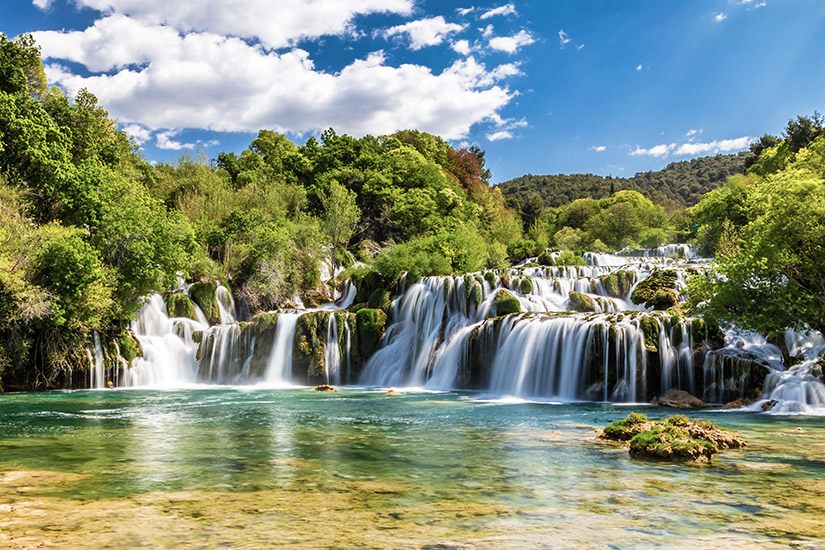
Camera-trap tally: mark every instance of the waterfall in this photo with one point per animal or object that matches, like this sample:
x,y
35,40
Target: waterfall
x,y
279,366
799,389
168,348
333,353
97,364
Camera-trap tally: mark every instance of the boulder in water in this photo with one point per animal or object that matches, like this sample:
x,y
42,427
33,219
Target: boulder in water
x,y
735,404
618,284
581,302
675,438
204,295
180,305
680,399
325,388
392,391
505,303
657,291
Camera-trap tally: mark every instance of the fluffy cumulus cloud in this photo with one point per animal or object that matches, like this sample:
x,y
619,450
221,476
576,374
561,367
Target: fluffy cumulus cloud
x,y
719,16
425,32
234,66
511,44
694,148
276,26
598,148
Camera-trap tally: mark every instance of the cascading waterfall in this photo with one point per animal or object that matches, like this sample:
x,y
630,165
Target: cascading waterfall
x,y
332,353
279,367
445,335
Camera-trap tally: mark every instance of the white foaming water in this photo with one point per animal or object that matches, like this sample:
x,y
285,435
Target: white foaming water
x,y
279,366
799,389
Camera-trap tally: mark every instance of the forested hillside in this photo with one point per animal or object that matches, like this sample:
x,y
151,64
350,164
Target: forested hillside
x,y
679,185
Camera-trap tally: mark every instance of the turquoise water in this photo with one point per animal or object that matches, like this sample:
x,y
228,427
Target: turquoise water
x,y
359,469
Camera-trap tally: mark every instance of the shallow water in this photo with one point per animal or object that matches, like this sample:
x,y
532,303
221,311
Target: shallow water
x,y
250,468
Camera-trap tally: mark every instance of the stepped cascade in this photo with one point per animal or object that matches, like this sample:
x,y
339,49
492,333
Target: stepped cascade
x,y
593,332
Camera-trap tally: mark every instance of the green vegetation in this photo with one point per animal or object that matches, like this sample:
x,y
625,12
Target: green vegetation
x,y
657,291
505,303
180,305
768,233
674,438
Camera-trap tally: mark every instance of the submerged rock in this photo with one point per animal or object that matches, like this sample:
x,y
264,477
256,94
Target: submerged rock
x,y
325,388
675,438
392,392
679,399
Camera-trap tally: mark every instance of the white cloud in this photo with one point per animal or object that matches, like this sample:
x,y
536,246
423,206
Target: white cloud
x,y
138,132
580,47
487,32
502,134
464,11
598,148
163,141
275,26
511,44
42,4
693,132
208,81
639,67
563,39
752,4
462,46
720,16
425,32
507,9
693,149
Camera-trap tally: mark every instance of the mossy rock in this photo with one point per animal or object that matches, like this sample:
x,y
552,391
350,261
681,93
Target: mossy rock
x,y
129,346
618,284
310,345
581,302
491,278
546,259
203,294
657,291
651,329
180,305
675,438
370,325
367,283
380,299
505,303
526,286
476,295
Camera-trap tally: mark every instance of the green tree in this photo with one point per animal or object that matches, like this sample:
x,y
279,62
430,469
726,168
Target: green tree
x,y
340,218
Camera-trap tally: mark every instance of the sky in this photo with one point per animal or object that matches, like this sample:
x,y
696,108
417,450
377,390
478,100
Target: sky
x,y
544,87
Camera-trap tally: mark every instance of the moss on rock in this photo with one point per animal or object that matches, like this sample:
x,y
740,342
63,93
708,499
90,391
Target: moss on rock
x,y
180,305
370,325
203,294
581,302
129,346
675,438
651,329
505,303
657,291
618,284
526,286
491,278
380,299
476,295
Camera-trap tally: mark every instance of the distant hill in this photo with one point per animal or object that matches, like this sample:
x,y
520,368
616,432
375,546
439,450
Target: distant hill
x,y
678,185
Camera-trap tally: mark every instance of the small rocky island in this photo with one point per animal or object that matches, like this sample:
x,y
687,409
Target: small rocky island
x,y
675,438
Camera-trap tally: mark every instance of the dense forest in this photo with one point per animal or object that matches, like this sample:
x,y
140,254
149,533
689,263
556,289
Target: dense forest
x,y
89,228
677,186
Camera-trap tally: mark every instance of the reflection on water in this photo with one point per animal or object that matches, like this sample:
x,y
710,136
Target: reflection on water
x,y
263,467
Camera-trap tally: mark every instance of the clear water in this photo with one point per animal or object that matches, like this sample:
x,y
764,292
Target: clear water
x,y
252,468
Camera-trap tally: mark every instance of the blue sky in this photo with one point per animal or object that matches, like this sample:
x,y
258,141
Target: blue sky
x,y
596,86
